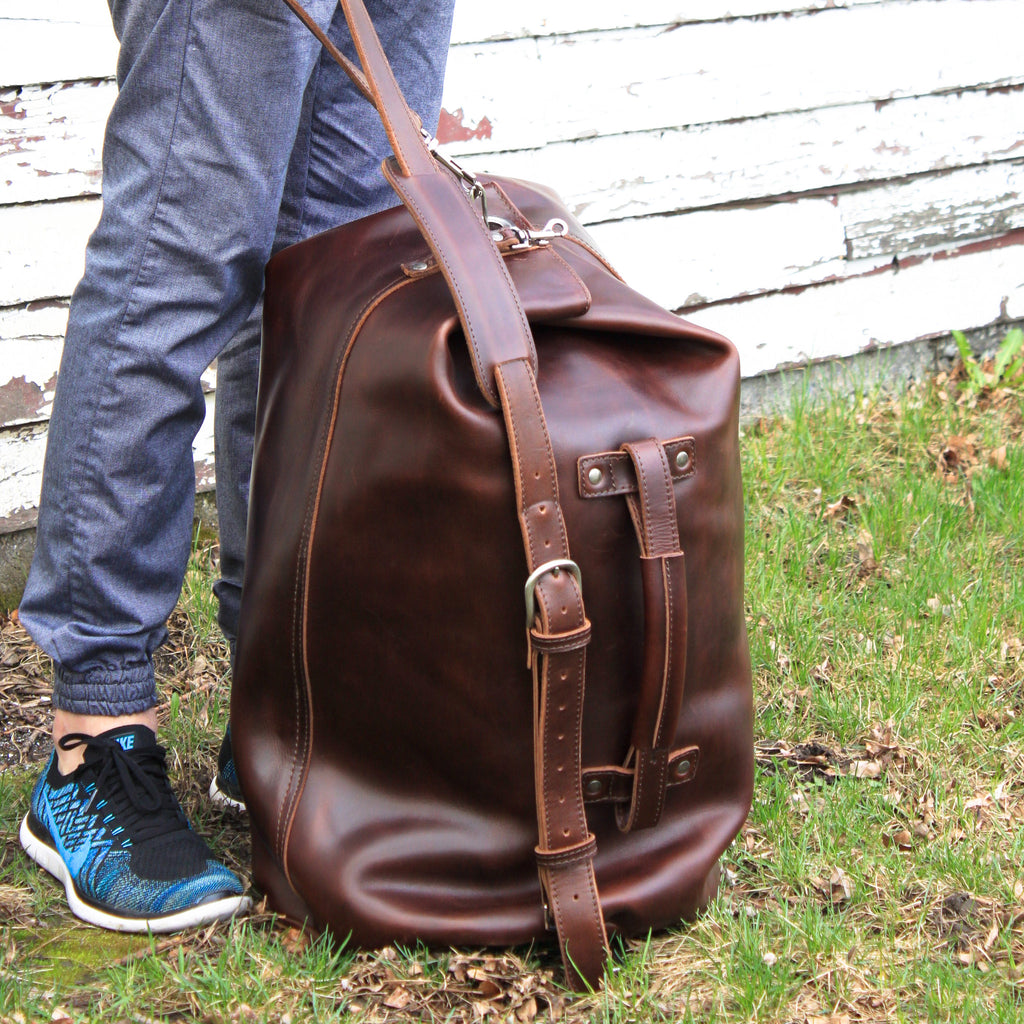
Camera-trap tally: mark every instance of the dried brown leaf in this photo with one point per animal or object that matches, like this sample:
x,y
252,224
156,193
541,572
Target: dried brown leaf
x,y
295,940
838,509
488,989
997,458
526,1011
399,999
902,840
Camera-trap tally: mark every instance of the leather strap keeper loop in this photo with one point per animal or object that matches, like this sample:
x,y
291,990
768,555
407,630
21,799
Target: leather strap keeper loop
x,y
557,643
570,855
614,784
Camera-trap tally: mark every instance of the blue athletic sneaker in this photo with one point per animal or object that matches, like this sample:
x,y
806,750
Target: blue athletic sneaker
x,y
225,788
112,831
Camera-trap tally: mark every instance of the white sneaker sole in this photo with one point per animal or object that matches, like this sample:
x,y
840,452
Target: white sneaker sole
x,y
219,797
194,917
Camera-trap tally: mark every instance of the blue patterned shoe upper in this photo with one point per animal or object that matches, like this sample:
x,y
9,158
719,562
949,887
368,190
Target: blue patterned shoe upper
x,y
118,828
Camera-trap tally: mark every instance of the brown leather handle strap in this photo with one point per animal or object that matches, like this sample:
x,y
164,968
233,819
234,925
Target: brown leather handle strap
x,y
566,847
653,510
357,77
489,309
505,362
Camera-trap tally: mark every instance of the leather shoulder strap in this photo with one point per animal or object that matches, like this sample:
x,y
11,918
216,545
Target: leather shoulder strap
x,y
505,362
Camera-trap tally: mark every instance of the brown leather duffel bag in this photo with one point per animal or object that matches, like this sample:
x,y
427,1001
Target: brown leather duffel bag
x,y
451,411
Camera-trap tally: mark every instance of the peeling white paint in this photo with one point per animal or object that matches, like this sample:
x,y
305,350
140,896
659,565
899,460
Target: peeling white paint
x,y
768,156
882,309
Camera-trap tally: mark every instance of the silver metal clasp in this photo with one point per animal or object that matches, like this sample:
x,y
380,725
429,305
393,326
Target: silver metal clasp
x,y
469,180
527,238
554,567
555,228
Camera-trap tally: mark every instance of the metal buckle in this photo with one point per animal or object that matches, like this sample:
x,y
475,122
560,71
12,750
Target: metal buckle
x,y
553,567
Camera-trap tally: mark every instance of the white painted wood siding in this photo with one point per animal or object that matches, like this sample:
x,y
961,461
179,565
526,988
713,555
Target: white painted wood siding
x,y
814,178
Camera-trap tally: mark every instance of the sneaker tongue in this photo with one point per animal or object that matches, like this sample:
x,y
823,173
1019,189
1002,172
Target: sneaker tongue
x,y
132,737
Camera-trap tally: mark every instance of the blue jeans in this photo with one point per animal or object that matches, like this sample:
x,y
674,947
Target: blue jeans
x,y
232,135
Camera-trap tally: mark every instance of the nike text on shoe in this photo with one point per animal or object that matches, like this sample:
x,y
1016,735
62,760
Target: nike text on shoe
x,y
112,831
225,788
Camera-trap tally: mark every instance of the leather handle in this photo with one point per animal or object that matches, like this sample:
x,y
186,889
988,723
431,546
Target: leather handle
x,y
663,570
488,306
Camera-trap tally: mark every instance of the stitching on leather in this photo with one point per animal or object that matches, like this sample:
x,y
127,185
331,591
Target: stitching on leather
x,y
549,453
597,256
660,801
289,805
577,741
595,904
439,252
670,499
587,297
381,105
611,476
645,495
517,468
414,209
515,214
666,582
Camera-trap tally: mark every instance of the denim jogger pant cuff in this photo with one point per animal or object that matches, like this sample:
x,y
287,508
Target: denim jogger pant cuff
x,y
114,691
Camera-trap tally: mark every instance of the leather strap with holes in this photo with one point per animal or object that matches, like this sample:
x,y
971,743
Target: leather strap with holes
x,y
558,640
504,361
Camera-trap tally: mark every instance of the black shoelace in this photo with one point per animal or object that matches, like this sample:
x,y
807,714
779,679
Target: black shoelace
x,y
134,784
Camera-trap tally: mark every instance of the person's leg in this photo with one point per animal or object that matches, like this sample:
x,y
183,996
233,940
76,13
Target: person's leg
x,y
334,177
194,167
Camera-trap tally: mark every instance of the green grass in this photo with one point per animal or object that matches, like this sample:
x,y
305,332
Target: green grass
x,y
879,877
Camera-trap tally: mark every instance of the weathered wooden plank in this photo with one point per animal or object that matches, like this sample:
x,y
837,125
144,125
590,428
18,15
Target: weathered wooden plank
x,y
521,94
477,22
889,307
51,150
21,469
714,255
657,79
914,216
707,256
662,172
43,322
21,473
55,41
42,248
27,379
679,260
61,40
51,140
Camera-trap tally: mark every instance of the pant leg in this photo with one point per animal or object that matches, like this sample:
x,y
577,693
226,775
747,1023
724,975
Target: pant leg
x,y
334,177
195,157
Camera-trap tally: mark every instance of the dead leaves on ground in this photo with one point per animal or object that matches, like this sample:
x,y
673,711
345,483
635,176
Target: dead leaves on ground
x,y
816,759
24,696
385,986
